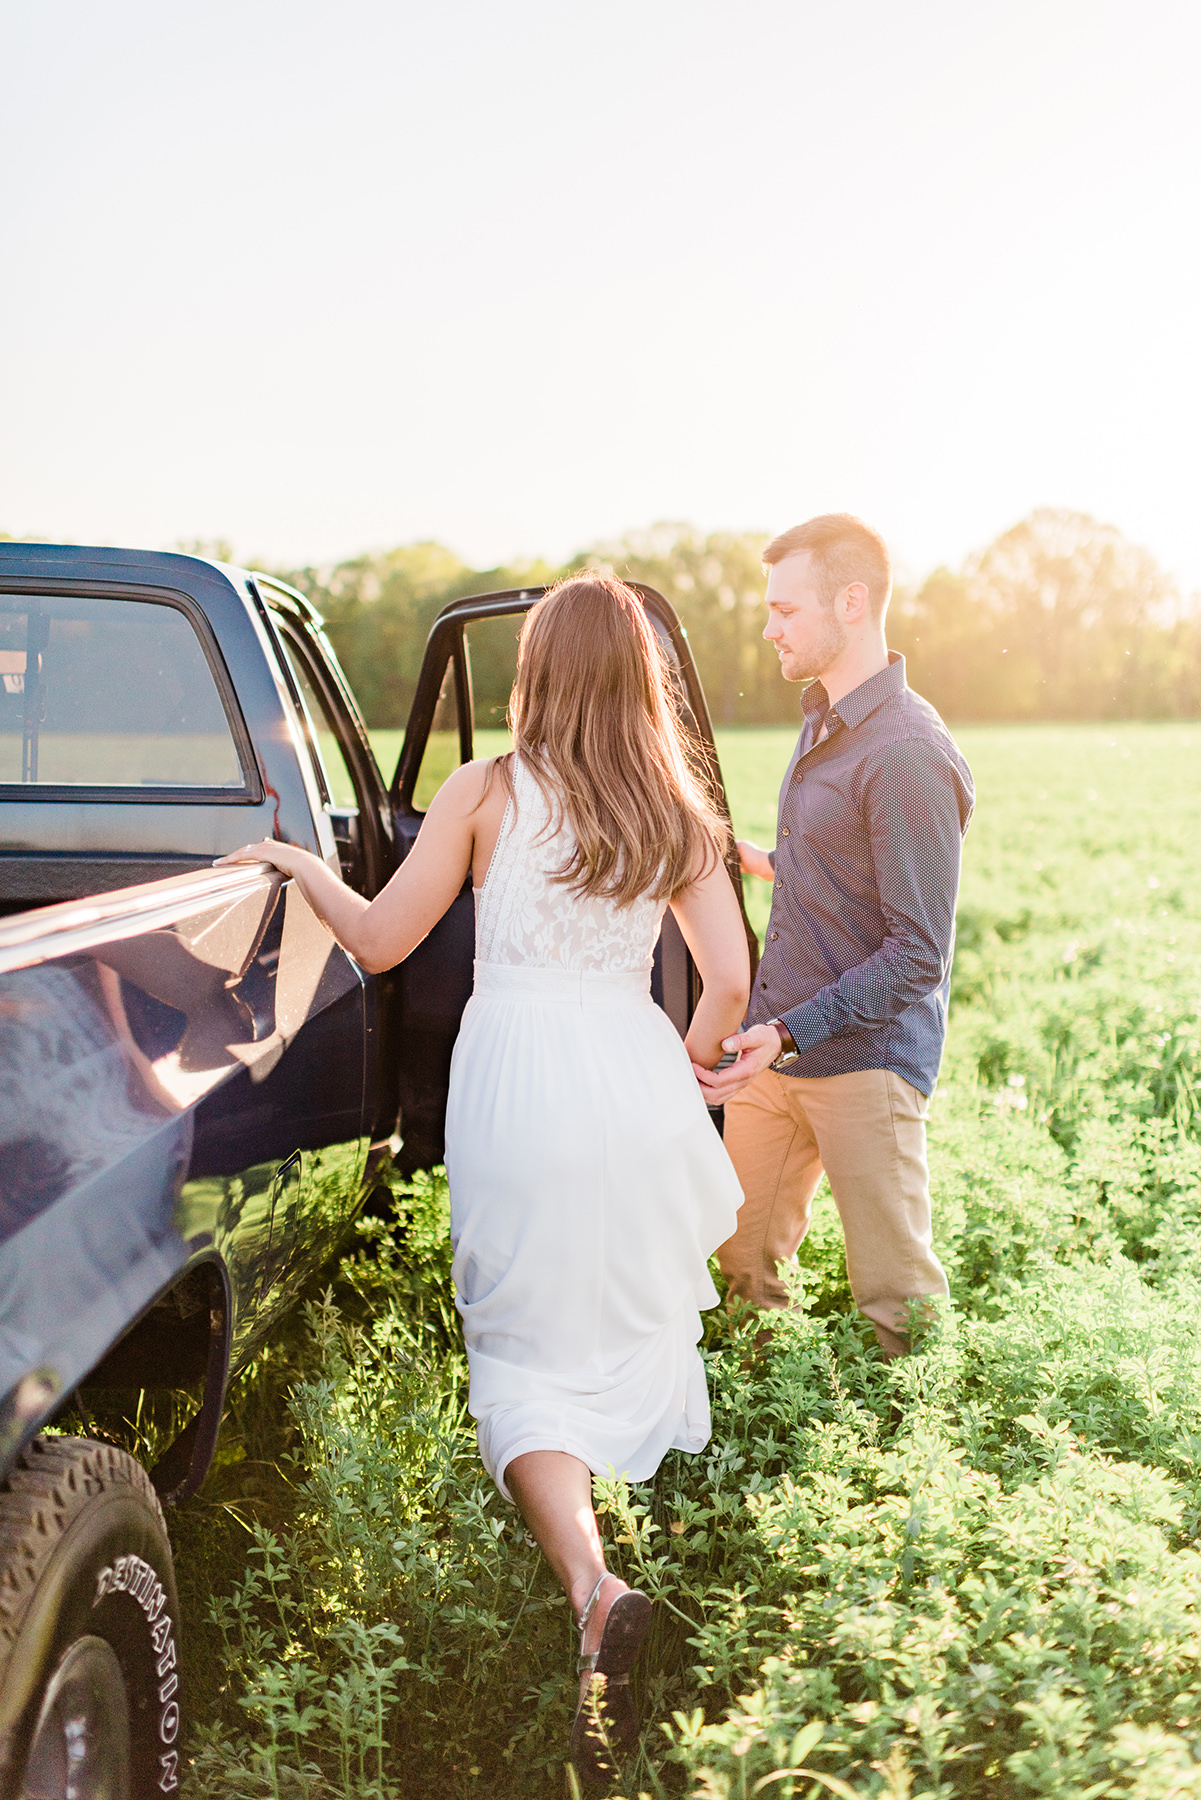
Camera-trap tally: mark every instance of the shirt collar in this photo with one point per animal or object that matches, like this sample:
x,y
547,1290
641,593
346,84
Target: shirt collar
x,y
814,698
862,701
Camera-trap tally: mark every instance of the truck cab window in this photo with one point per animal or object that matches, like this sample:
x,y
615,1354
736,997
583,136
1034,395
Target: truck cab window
x,y
109,693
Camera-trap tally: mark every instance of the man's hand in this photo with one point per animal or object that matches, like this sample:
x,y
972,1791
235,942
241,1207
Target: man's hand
x,y
755,861
754,1049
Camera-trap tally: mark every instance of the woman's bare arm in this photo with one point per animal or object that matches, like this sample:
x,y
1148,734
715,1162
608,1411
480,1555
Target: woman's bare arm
x,y
382,932
708,916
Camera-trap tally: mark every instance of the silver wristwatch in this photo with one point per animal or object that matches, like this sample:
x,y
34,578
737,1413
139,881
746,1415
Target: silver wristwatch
x,y
789,1053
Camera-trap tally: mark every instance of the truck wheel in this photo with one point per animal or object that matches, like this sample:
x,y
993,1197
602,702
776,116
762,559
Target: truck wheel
x,y
89,1679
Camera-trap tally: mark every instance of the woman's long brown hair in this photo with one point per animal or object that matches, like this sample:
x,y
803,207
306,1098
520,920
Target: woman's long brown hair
x,y
595,718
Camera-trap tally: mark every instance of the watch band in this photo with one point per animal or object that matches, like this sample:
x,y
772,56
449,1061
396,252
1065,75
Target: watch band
x,y
789,1051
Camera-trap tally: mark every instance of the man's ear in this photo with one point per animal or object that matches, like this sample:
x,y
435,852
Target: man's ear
x,y
856,602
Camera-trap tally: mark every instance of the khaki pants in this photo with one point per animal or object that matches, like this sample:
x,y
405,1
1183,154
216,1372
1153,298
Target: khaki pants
x,y
867,1130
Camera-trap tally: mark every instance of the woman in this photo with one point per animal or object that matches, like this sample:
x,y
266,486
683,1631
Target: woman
x,y
588,1187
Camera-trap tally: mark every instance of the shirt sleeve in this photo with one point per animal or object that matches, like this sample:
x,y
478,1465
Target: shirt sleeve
x,y
916,809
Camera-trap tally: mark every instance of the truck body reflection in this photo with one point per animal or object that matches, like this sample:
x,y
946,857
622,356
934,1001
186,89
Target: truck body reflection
x,y
192,1090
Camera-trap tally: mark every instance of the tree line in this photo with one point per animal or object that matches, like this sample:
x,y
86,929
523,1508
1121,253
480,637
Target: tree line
x,y
1059,618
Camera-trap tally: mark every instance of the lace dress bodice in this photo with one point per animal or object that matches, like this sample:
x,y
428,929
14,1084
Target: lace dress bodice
x,y
525,918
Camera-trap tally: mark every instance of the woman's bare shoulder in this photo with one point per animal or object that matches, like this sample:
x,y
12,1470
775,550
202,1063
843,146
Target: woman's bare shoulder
x,y
474,785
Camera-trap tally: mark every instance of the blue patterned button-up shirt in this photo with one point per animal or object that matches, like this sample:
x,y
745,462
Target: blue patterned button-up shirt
x,y
857,960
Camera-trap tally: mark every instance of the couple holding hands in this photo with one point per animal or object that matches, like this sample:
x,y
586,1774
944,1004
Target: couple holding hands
x,y
588,1187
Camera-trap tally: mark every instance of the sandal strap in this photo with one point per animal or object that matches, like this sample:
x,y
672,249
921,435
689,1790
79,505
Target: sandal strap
x,y
586,1665
590,1603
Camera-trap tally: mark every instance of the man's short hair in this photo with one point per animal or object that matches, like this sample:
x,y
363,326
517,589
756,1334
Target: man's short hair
x,y
843,549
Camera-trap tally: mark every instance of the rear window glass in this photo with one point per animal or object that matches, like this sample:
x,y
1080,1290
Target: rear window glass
x,y
109,693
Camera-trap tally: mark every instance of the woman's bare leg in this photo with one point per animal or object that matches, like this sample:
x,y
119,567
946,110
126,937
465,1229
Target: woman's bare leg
x,y
554,1492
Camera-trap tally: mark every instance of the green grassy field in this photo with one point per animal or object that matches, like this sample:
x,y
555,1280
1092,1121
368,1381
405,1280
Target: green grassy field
x,y
970,1574
1075,824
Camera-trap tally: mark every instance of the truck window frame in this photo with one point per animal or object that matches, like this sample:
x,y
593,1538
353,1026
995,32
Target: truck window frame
x,y
302,638
447,644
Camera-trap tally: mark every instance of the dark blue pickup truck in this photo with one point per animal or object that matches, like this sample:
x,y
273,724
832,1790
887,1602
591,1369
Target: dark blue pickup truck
x,y
198,1087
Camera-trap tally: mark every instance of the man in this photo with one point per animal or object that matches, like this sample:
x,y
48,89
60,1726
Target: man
x,y
840,1049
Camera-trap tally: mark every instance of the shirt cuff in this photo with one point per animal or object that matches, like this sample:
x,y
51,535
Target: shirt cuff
x,y
807,1024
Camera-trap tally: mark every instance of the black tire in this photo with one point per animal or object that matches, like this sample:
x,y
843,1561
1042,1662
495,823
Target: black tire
x,y
89,1638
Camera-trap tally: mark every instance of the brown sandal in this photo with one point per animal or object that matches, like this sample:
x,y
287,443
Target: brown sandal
x,y
606,1722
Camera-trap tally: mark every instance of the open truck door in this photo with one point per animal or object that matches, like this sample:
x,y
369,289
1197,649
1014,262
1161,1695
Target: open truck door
x,y
458,713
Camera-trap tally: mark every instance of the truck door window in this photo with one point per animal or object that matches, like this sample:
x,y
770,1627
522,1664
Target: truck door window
x,y
442,751
492,647
109,693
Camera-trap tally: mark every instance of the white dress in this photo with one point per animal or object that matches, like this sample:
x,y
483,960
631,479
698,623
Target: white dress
x,y
587,1185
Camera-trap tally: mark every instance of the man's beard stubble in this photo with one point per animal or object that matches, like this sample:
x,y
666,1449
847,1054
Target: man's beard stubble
x,y
828,647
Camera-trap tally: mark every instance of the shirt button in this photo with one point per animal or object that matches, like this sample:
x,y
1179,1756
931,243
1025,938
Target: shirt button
x,y
799,776
774,936
763,984
784,833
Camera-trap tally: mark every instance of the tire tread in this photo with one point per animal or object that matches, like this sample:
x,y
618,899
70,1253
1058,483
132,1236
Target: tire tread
x,y
52,1480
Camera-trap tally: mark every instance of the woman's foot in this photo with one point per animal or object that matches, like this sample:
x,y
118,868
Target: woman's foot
x,y
614,1620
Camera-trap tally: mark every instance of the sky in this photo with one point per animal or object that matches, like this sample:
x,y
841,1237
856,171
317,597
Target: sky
x,y
320,279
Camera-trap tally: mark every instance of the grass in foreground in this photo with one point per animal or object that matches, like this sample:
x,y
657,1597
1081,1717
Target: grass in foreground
x,y
974,1571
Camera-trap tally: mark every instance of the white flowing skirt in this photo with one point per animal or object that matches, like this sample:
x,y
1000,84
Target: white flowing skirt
x,y
588,1189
